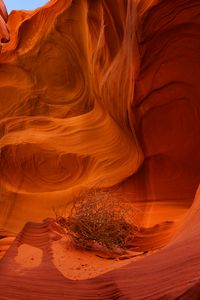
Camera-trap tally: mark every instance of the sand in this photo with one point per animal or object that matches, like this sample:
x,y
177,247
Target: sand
x,y
62,272
73,263
100,94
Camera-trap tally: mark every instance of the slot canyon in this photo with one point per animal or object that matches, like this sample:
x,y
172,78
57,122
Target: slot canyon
x,y
100,94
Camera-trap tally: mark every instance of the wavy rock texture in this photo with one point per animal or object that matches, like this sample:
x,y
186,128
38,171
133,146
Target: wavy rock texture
x,y
102,93
171,273
66,106
4,33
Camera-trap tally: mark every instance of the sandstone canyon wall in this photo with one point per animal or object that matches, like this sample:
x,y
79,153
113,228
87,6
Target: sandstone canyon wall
x,y
101,94
93,91
67,89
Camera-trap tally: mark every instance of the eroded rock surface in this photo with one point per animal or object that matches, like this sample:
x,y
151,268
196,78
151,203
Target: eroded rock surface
x,y
102,93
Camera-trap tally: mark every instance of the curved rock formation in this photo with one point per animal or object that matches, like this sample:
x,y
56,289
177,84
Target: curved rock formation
x,y
66,116
171,273
4,34
100,94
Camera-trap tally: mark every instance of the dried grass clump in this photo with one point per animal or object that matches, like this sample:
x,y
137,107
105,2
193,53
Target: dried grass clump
x,y
101,218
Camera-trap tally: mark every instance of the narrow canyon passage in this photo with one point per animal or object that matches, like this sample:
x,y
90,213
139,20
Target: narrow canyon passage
x,y
101,94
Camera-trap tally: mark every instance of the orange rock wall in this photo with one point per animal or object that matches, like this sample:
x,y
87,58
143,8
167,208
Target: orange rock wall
x,y
66,90
166,103
98,93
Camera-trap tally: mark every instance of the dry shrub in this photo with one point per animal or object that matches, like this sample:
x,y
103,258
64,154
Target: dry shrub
x,y
102,218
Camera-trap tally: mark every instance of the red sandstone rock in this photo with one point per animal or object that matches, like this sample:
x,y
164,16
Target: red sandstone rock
x,y
4,34
102,93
